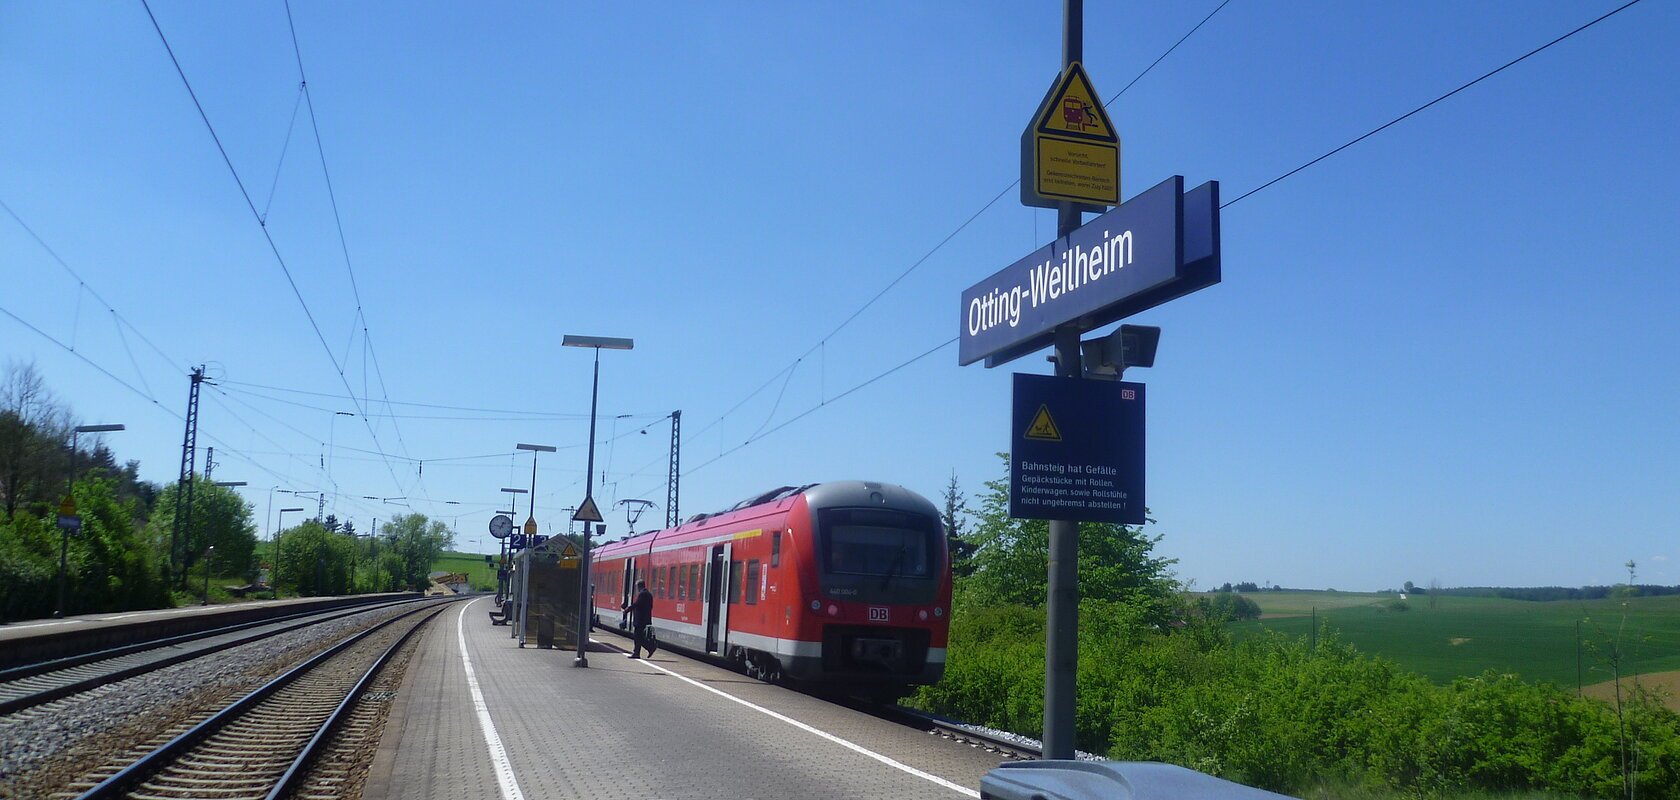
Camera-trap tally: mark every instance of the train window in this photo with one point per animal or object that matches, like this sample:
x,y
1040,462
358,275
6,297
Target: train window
x,y
682,583
776,549
734,582
694,580
752,582
663,580
878,542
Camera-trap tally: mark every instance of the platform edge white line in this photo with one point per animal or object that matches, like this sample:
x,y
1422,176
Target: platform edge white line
x,y
857,748
498,755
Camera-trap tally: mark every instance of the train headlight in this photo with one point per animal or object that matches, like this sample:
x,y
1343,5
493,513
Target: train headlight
x,y
922,615
938,612
816,605
833,610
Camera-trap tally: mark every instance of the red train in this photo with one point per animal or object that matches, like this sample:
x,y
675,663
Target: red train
x,y
845,585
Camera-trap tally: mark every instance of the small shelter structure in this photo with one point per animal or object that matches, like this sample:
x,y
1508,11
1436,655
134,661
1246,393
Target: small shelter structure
x,y
546,587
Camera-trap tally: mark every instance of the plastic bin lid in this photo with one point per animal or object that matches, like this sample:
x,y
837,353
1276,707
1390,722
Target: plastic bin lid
x,y
1060,779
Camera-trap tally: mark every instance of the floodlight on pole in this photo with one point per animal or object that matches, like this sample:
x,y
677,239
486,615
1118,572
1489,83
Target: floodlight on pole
x,y
67,517
531,519
280,525
599,343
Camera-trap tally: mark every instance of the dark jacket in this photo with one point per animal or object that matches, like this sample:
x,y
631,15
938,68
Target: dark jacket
x,y
641,610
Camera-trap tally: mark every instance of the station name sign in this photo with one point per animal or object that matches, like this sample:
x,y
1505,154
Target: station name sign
x,y
1160,245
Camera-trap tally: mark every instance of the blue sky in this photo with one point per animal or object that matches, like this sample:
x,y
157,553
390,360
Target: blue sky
x,y
1447,353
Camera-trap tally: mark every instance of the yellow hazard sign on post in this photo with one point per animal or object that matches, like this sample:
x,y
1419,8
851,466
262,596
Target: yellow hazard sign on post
x,y
67,506
1043,427
1071,151
569,557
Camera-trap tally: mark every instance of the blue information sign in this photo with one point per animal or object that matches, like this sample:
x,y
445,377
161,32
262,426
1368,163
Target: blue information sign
x,y
1077,450
1157,246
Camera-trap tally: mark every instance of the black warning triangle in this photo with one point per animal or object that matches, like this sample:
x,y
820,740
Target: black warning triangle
x,y
1076,110
1043,428
588,512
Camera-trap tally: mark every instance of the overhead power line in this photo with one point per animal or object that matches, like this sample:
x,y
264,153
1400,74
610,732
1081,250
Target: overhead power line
x,y
917,264
1403,117
223,447
268,237
1249,193
58,259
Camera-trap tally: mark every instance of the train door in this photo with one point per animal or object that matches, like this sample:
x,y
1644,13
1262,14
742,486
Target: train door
x,y
717,602
627,591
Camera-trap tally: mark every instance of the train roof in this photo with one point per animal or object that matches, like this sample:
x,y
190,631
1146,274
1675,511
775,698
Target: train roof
x,y
823,494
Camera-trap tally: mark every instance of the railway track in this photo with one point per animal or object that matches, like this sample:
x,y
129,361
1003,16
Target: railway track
x,y
264,744
32,685
1015,749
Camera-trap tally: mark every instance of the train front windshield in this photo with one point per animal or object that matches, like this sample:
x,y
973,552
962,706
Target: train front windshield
x,y
879,542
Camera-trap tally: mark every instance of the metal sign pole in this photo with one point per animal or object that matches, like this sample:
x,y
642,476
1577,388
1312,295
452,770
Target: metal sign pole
x,y
1062,628
524,594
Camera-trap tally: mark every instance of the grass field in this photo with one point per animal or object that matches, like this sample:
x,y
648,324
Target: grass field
x,y
1467,635
482,576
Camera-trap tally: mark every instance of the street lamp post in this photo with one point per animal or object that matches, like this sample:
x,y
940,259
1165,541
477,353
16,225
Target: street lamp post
x,y
505,591
66,521
590,513
225,485
280,525
209,551
328,459
531,521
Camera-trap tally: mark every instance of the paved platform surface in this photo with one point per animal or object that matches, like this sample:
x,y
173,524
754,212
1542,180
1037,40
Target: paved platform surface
x,y
510,723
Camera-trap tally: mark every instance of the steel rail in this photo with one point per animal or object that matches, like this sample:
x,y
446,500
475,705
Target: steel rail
x,y
95,680
144,767
949,729
65,662
300,766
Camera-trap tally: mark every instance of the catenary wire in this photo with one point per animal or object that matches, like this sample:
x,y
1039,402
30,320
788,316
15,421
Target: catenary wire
x,y
267,236
1385,126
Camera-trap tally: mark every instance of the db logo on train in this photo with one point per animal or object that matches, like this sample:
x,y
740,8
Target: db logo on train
x,y
877,614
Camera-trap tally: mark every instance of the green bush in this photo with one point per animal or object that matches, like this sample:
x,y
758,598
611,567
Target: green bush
x,y
1278,713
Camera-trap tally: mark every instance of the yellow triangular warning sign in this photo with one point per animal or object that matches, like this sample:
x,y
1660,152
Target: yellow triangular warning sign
x,y
1075,110
569,552
1043,427
588,512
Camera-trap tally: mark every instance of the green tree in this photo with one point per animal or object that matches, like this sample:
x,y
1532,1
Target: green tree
x,y
955,516
220,517
416,542
313,561
1011,559
34,429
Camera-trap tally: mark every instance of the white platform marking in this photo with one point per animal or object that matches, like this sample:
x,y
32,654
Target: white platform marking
x,y
498,756
857,748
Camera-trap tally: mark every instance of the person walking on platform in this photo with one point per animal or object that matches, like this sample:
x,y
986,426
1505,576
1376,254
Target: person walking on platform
x,y
641,620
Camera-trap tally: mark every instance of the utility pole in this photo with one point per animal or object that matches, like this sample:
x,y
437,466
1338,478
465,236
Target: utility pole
x,y
209,462
189,450
672,517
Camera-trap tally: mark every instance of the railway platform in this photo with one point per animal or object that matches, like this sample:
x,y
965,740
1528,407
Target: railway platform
x,y
36,640
477,716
